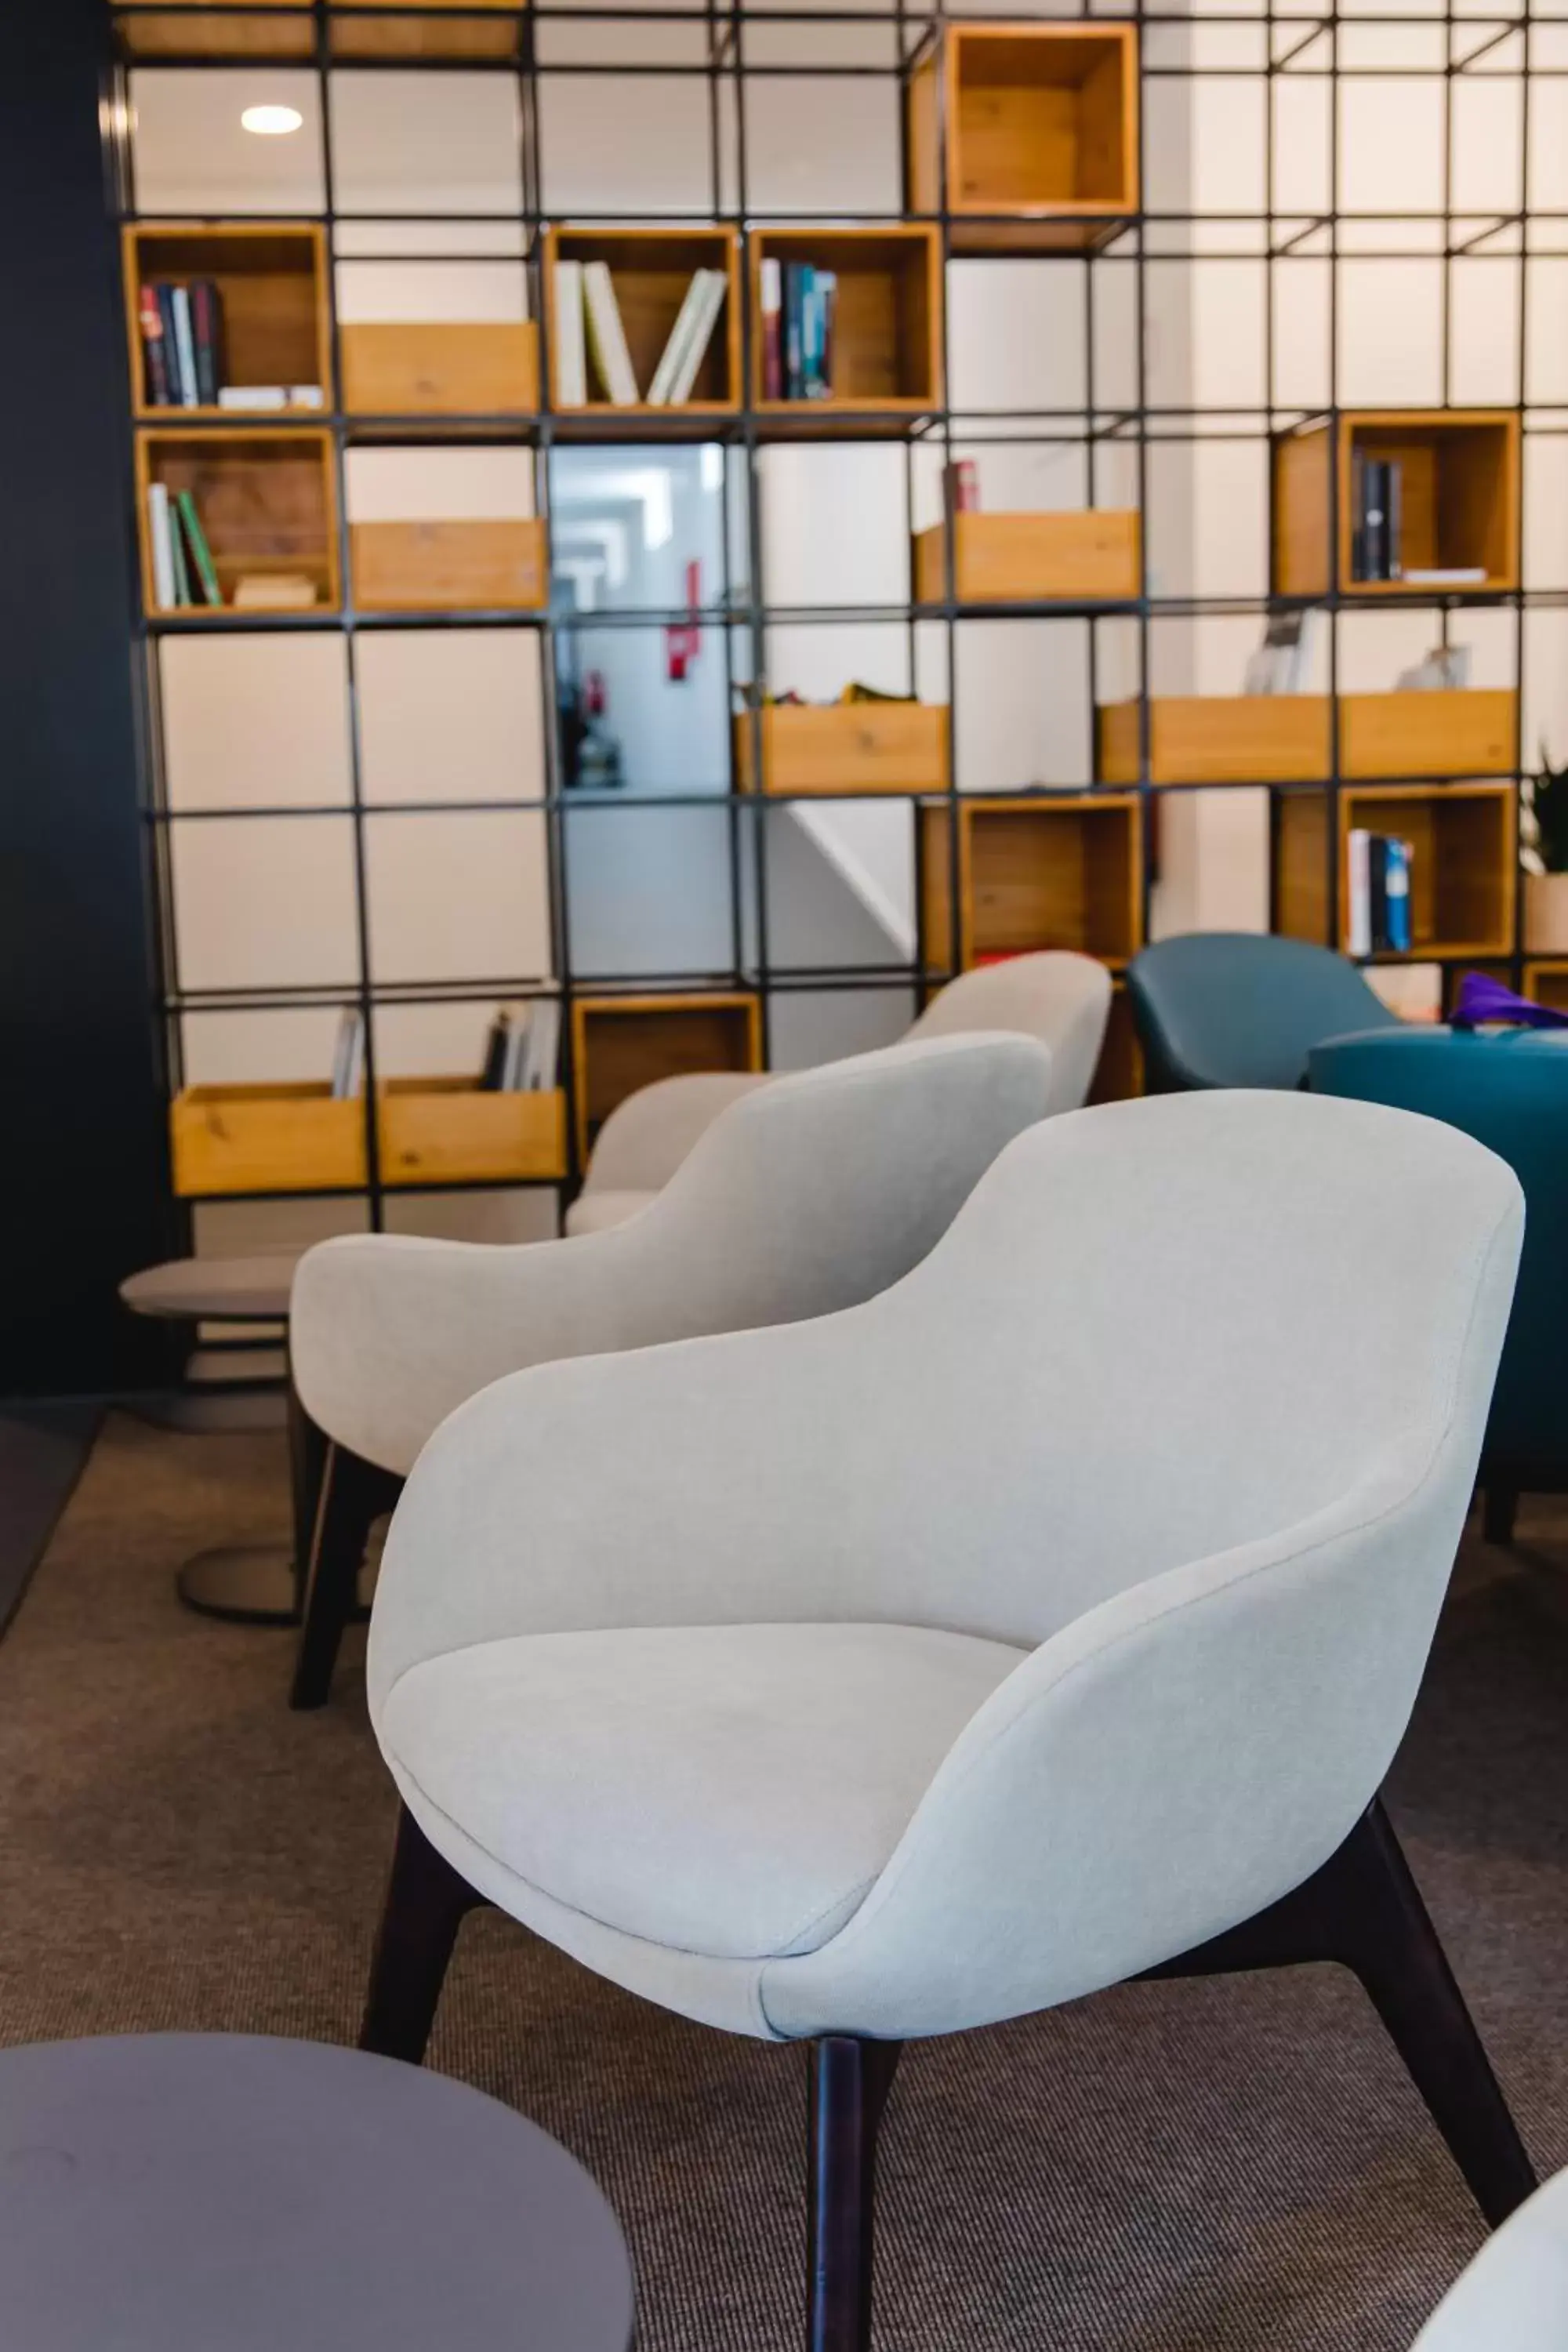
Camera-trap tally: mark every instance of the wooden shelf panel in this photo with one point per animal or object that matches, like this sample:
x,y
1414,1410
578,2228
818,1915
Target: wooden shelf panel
x,y
1061,871
494,565
1459,500
265,1139
621,1044
445,32
1014,559
1463,870
1042,124
886,323
266,503
272,290
846,747
651,268
451,1131
397,368
1287,737
1546,980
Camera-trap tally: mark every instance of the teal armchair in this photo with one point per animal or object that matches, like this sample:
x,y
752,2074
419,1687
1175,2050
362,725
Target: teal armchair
x,y
1243,1009
1509,1090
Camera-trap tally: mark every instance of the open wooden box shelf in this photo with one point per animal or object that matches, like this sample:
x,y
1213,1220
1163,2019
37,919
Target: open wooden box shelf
x,y
266,503
651,270
272,280
1086,557
1250,739
484,566
1463,871
1546,980
1042,125
845,747
622,1042
1059,870
446,31
299,1137
1459,500
887,326
418,368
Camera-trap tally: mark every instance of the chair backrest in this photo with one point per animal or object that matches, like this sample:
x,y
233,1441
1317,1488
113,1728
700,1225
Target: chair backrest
x,y
1510,1092
1514,2295
1062,999
1242,1008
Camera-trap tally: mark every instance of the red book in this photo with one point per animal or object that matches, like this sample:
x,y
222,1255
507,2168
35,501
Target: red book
x,y
151,323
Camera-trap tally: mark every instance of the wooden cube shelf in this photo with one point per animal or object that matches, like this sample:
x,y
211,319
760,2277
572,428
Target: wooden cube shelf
x,y
651,270
1252,739
1459,500
271,281
266,503
451,1131
1546,980
1042,134
1463,869
265,1139
1082,558
478,368
446,31
621,1044
845,748
1062,870
499,565
887,326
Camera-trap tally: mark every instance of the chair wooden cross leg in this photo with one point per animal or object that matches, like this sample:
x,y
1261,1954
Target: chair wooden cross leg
x,y
354,1495
426,1903
850,2080
1364,1910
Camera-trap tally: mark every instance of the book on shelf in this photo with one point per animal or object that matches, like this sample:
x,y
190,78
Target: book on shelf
x,y
1284,662
201,554
1444,667
268,397
688,339
181,343
808,300
160,540
570,352
1376,520
607,336
184,346
541,1068
182,560
1445,575
154,349
348,1055
1378,890
771,301
204,334
520,1048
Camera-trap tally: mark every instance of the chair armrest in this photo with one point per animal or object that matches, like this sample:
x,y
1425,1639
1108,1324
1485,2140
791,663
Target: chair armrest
x,y
646,1138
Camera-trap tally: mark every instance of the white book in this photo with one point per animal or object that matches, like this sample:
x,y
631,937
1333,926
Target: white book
x,y
543,1044
514,1062
701,336
1358,878
570,357
255,395
161,545
607,336
665,374
303,396
184,344
348,1058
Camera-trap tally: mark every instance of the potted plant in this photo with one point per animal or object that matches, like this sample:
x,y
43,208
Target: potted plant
x,y
1544,853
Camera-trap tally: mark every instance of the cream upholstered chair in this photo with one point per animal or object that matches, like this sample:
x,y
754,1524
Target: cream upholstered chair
x,y
808,1197
1514,2295
1064,999
1050,1619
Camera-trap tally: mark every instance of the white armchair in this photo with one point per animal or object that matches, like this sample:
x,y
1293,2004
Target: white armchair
x,y
1514,2295
1063,1000
1051,1618
807,1198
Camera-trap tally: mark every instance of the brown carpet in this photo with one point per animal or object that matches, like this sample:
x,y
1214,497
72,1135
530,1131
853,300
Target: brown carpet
x,y
1233,2166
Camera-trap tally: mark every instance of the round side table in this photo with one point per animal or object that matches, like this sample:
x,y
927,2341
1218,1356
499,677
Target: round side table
x,y
187,2192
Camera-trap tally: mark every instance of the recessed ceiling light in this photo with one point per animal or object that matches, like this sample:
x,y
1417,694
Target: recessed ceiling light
x,y
271,122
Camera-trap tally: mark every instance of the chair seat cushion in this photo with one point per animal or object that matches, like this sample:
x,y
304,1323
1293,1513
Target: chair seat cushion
x,y
731,1791
595,1213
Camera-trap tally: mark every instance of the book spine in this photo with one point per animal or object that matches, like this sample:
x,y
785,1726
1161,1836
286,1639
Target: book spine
x,y
828,281
200,552
158,546
170,345
794,288
608,336
668,374
204,319
1398,896
773,340
1358,515
150,319
1376,522
1358,924
571,352
181,569
1392,519
184,343
705,317
1377,849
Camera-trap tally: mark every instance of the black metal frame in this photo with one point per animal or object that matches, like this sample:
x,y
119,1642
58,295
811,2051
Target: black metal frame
x,y
1362,1910
1287,45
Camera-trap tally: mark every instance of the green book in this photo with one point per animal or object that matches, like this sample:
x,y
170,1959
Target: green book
x,y
176,539
200,550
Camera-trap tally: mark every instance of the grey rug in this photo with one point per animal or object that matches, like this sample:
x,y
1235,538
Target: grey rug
x,y
43,1451
1229,2166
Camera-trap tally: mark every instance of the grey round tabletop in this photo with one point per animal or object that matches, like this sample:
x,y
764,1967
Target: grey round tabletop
x,y
174,2193
214,1289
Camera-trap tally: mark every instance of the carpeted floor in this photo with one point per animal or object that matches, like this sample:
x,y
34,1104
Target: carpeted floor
x,y
1233,2166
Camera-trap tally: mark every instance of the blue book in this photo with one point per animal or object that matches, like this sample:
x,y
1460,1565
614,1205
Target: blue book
x,y
1396,896
794,352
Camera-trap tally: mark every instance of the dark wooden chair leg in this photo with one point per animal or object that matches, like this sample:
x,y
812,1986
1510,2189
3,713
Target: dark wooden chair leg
x,y
354,1495
307,1467
1499,1505
1364,1910
850,2080
426,1903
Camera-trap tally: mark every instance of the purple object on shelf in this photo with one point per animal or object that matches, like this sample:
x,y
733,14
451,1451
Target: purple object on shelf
x,y
1481,999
